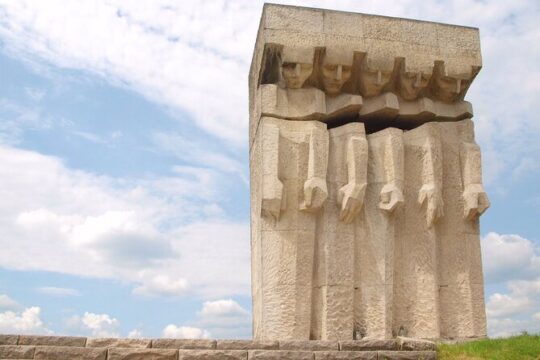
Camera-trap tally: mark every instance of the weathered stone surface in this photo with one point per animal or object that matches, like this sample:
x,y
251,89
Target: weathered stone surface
x,y
69,353
405,343
346,355
116,342
9,339
407,355
367,345
52,340
212,355
280,355
247,345
366,186
16,352
183,344
142,354
308,345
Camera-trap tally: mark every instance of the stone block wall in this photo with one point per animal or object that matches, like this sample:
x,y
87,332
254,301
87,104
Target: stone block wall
x,y
81,348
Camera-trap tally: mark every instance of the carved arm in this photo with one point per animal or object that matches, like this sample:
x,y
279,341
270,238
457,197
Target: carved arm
x,y
315,189
351,196
474,195
391,195
272,187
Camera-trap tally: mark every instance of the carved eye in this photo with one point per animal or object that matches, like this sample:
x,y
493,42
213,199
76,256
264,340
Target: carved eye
x,y
289,66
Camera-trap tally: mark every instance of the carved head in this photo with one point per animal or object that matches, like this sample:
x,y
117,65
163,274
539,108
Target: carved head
x,y
296,66
336,69
411,83
448,88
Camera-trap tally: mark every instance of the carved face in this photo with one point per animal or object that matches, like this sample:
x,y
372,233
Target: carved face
x,y
373,81
448,88
334,76
411,84
296,74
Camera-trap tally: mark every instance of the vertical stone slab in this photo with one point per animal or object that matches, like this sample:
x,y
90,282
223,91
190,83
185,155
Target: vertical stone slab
x,y
416,298
333,289
460,266
287,241
375,235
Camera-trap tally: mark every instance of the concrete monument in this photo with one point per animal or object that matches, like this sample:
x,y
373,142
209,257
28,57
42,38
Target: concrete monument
x,y
366,186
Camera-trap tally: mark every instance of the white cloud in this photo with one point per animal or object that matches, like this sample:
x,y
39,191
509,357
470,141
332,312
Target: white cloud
x,y
74,222
7,303
135,334
501,305
94,325
219,308
203,51
184,332
57,291
162,285
27,321
225,318
508,257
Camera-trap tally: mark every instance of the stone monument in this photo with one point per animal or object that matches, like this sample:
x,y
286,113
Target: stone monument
x,y
366,185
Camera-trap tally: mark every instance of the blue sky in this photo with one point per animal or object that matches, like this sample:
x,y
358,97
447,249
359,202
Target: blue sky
x,y
124,185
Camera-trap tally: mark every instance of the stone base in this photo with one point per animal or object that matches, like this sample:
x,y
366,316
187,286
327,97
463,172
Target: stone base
x,y
60,348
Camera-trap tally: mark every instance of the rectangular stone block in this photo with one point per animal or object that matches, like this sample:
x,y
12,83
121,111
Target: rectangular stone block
x,y
142,354
308,345
407,355
246,345
183,344
16,352
122,343
52,340
69,353
212,355
411,344
9,339
346,355
280,355
367,345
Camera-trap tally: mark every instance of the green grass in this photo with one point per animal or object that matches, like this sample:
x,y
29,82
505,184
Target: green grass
x,y
521,347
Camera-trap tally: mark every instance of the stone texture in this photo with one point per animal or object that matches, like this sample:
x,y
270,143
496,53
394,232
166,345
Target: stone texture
x,y
411,344
367,345
407,355
346,355
16,352
52,340
309,345
69,353
247,345
366,186
183,344
142,354
280,355
9,339
116,342
212,355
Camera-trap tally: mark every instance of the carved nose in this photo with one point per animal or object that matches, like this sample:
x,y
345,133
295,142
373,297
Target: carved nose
x,y
338,72
297,69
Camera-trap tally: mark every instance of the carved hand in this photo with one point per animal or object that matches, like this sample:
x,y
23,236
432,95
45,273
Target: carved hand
x,y
476,201
272,197
434,208
351,198
391,197
315,194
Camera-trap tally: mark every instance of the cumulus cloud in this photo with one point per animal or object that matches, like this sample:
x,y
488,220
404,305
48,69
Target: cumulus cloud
x,y
161,284
135,334
225,318
184,332
27,321
7,303
95,325
75,222
509,256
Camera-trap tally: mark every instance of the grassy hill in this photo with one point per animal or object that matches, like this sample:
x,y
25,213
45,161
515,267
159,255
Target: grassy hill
x,y
522,347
